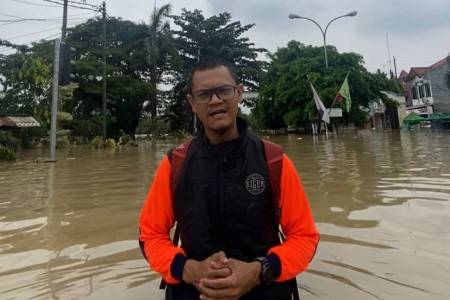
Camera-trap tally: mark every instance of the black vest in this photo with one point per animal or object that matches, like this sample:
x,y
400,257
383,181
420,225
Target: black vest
x,y
223,199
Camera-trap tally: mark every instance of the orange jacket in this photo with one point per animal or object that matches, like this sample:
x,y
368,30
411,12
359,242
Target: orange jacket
x,y
297,224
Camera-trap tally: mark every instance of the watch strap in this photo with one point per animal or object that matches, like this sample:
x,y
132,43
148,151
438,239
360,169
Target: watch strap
x,y
267,275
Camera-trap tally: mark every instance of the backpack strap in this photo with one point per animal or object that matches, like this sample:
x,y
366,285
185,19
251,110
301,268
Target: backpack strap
x,y
176,157
274,158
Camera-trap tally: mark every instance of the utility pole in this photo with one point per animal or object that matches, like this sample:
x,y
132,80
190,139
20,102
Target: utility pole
x,y
55,85
395,68
64,26
56,70
104,69
52,157
388,44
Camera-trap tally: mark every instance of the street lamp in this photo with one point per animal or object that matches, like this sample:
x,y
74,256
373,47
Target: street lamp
x,y
324,32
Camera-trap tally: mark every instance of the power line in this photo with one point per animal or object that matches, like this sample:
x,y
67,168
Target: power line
x,y
11,16
53,35
47,37
83,3
48,18
43,20
71,5
33,33
12,21
31,3
44,5
9,22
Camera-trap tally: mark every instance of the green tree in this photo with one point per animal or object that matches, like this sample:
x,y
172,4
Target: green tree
x,y
26,77
126,95
198,36
125,60
159,47
285,94
218,35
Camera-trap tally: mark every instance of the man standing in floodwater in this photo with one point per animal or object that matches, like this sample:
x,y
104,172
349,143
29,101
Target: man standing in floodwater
x,y
228,200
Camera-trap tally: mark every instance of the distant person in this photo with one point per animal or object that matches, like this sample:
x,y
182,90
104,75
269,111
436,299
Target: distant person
x,y
228,201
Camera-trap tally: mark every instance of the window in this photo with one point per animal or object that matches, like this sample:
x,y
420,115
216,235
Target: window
x,y
427,89
421,91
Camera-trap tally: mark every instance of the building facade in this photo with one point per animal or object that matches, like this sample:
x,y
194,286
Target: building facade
x,y
427,89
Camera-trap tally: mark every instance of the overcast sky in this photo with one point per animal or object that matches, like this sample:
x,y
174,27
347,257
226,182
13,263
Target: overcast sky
x,y
418,31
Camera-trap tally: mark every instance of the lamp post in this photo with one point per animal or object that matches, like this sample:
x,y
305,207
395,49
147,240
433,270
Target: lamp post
x,y
324,32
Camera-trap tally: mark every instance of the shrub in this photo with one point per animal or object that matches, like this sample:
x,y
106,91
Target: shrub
x,y
62,141
6,153
87,128
156,127
359,118
65,119
124,138
8,140
110,143
28,136
97,142
80,140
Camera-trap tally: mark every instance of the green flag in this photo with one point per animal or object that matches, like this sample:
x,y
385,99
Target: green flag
x,y
344,93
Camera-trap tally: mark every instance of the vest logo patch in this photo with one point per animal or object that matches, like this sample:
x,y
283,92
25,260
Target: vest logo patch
x,y
255,184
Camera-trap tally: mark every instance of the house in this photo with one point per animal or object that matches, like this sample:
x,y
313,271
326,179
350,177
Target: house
x,y
377,115
14,122
427,89
395,114
382,116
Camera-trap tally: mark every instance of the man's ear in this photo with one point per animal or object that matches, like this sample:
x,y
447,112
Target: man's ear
x,y
190,99
240,91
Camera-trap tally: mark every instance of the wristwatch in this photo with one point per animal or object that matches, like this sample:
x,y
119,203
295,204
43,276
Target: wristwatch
x,y
266,275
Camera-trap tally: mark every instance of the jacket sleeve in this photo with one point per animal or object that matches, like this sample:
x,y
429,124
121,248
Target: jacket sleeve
x,y
297,224
156,220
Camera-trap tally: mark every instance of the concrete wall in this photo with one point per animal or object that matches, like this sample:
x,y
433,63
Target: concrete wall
x,y
439,87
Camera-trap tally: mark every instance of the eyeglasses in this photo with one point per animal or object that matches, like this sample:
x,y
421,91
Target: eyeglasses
x,y
224,93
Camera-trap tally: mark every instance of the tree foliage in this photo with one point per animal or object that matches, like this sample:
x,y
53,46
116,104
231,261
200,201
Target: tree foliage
x,y
198,36
126,67
25,78
148,66
159,49
285,95
218,35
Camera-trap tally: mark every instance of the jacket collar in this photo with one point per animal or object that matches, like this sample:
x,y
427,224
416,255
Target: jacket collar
x,y
229,148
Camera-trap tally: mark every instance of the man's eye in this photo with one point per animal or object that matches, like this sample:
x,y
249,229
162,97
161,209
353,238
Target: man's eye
x,y
203,94
225,89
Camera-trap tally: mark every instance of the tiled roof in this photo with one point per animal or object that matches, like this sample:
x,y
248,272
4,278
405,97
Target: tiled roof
x,y
438,64
419,71
403,75
18,121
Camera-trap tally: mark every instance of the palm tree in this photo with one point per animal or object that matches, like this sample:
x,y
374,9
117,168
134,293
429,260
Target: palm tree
x,y
159,48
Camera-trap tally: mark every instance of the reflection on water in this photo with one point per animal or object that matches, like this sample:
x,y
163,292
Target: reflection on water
x,y
381,200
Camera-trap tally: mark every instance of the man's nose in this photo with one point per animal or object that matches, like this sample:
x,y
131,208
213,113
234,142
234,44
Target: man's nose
x,y
215,99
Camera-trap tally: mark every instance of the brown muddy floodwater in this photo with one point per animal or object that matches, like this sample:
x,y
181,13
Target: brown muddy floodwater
x,y
381,201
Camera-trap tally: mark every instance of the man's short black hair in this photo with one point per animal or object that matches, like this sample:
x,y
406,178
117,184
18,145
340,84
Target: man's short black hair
x,y
208,63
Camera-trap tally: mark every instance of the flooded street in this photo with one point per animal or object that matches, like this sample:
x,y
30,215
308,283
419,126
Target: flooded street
x,y
381,201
